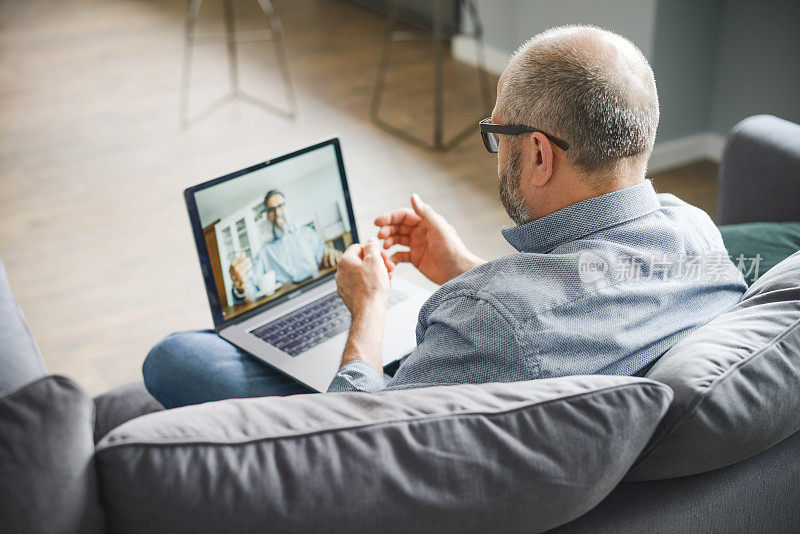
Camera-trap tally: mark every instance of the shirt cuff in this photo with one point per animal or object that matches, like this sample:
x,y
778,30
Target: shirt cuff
x,y
238,294
357,375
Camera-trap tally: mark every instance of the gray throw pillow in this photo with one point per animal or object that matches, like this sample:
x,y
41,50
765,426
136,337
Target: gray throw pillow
x,y
121,404
469,458
48,481
736,382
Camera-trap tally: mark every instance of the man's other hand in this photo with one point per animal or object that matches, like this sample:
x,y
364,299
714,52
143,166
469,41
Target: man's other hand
x,y
240,273
330,258
434,246
362,279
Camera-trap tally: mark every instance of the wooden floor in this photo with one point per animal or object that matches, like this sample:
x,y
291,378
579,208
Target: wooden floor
x,y
93,230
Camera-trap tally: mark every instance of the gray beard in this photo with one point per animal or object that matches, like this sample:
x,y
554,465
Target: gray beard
x,y
279,231
510,196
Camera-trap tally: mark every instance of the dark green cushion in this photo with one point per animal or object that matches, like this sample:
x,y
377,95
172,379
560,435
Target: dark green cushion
x,y
772,242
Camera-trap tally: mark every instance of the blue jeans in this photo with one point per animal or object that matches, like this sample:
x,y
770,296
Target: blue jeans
x,y
194,367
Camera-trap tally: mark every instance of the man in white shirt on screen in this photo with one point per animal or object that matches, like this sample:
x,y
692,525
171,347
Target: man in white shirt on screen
x,y
295,253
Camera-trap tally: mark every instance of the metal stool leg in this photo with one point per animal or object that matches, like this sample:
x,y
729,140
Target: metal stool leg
x,y
191,18
480,54
280,54
439,142
383,66
231,38
438,57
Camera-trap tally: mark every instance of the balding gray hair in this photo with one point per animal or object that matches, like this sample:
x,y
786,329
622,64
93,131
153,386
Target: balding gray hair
x,y
588,86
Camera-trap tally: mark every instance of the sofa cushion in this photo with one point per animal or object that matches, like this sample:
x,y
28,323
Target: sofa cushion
x,y
761,245
121,404
736,382
48,481
20,361
756,496
491,457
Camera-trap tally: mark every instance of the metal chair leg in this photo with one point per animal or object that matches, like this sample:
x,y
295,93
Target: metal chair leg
x,y
191,19
280,54
438,57
230,39
383,65
439,142
480,53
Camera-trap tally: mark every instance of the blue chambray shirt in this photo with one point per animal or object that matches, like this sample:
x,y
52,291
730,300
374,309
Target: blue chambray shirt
x,y
604,286
294,257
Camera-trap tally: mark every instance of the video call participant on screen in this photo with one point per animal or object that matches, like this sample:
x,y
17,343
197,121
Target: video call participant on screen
x,y
294,254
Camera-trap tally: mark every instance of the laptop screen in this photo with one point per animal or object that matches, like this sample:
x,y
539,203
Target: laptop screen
x,y
265,232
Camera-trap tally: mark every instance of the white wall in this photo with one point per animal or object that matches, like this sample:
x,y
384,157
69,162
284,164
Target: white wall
x,y
757,67
716,61
310,184
509,23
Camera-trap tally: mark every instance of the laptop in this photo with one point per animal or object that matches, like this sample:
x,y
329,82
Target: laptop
x,y
267,239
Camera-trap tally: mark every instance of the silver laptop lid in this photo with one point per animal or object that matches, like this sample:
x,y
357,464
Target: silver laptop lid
x,y
266,233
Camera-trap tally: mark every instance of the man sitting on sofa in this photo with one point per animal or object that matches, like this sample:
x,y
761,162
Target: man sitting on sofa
x,y
609,274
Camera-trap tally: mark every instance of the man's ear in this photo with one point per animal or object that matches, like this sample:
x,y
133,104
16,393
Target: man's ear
x,y
539,150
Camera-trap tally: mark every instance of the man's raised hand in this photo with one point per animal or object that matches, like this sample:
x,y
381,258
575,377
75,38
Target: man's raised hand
x,y
240,272
330,258
434,246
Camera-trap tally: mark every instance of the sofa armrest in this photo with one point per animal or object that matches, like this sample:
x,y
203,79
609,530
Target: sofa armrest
x,y
20,360
759,175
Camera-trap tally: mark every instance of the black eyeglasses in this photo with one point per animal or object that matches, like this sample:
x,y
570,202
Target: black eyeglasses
x,y
490,132
274,209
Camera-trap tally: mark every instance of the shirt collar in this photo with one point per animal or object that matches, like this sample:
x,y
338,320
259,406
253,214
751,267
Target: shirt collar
x,y
583,218
289,230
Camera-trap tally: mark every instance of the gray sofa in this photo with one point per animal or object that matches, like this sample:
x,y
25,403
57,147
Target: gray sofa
x,y
708,441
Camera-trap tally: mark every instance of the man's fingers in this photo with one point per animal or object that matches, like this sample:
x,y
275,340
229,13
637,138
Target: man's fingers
x,y
396,234
397,240
352,254
389,263
404,216
421,209
372,250
400,257
394,229
333,257
241,270
241,264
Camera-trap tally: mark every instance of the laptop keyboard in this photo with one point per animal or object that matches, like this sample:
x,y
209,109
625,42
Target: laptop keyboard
x,y
312,324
